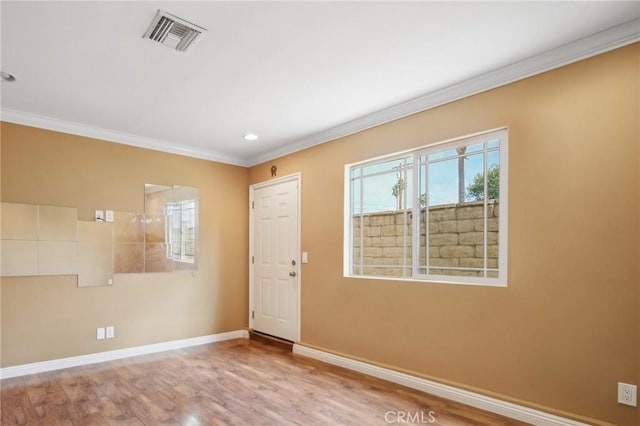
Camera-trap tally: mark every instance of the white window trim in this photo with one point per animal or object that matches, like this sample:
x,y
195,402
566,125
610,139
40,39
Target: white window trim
x,y
182,243
501,280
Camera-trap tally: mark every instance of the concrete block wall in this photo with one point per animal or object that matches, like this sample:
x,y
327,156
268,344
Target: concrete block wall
x,y
456,239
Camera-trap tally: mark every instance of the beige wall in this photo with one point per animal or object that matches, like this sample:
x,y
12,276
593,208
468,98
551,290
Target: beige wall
x,y
45,318
566,329
1,127
560,336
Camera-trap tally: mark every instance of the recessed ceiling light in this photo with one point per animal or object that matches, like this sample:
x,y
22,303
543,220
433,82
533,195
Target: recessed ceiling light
x,y
7,77
250,137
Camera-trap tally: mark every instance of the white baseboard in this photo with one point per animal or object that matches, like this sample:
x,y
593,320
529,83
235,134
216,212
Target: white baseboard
x,y
57,364
473,399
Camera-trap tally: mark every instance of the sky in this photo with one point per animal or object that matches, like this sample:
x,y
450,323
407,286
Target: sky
x,y
442,174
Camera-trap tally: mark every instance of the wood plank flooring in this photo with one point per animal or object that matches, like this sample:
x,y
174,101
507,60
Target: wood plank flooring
x,y
237,382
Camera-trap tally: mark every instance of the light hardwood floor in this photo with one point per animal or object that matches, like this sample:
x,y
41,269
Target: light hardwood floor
x,y
238,382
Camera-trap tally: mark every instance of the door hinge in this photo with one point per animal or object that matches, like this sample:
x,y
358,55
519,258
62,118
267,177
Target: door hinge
x,y
252,316
252,260
253,204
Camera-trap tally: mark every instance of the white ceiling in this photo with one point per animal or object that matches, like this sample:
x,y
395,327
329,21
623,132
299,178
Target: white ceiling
x,y
295,73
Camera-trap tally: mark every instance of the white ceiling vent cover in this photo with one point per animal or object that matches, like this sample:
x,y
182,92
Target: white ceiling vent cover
x,y
174,32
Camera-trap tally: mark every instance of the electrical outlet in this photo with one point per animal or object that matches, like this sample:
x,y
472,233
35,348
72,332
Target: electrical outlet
x,y
628,394
111,332
99,215
109,215
100,333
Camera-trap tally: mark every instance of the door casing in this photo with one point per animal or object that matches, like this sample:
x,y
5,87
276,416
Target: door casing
x,y
297,177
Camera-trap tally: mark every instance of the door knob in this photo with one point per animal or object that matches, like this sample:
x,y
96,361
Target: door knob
x,y
292,274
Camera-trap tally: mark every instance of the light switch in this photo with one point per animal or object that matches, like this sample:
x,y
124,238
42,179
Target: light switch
x,y
109,215
305,257
99,215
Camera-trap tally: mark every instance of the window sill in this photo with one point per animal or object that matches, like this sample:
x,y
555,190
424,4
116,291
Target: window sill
x,y
474,282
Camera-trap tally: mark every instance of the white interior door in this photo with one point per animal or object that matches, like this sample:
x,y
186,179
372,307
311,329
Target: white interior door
x,y
275,267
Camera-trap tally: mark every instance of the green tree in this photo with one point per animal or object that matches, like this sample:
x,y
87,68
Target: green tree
x,y
475,189
397,191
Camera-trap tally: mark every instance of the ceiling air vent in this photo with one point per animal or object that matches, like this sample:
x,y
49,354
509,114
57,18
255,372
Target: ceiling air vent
x,y
174,32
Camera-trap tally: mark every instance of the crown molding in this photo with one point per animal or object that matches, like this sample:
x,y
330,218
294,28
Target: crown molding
x,y
80,129
584,48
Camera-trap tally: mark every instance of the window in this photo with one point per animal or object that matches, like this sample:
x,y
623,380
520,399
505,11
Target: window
x,y
180,230
437,213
